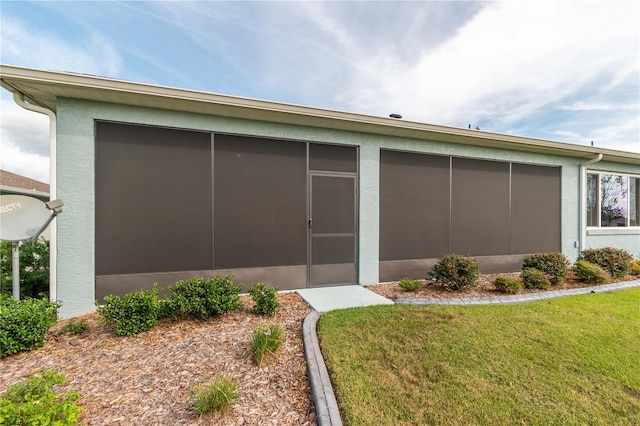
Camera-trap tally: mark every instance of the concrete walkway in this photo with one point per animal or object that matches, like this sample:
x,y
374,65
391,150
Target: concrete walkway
x,y
324,299
329,298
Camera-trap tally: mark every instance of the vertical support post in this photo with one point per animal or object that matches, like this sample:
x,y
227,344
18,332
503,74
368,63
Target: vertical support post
x,y
15,268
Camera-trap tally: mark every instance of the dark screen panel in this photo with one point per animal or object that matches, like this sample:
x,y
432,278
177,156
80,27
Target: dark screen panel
x,y
480,207
153,199
333,204
414,206
333,158
260,202
535,215
328,250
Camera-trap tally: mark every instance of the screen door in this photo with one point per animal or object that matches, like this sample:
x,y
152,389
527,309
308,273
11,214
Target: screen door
x,y
332,229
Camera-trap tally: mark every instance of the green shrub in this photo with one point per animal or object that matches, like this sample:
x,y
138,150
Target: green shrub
x,y
535,279
24,323
75,327
265,298
33,402
616,261
34,268
200,298
218,395
455,272
131,314
635,267
508,285
589,272
553,264
167,308
407,284
266,340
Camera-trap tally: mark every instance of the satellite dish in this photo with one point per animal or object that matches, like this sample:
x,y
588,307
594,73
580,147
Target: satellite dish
x,y
21,217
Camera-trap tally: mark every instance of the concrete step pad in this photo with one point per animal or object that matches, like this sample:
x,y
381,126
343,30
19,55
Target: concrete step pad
x,y
324,299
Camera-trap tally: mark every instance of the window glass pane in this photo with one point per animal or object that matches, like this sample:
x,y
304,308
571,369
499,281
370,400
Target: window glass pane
x,y
592,200
614,200
634,201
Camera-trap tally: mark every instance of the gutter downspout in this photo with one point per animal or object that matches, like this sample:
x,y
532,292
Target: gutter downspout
x,y
53,250
583,201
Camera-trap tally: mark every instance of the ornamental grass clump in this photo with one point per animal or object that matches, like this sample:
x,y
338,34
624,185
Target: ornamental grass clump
x,y
589,272
455,272
215,396
407,284
635,267
267,338
75,327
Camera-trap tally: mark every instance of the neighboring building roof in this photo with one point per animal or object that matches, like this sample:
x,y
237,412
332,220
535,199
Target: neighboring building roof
x,y
11,183
44,87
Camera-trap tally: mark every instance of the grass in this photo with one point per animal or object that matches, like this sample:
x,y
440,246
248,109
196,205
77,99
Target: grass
x,y
216,396
567,361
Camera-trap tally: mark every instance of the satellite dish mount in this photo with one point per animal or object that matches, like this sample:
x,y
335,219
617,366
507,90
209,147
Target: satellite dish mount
x,y
24,218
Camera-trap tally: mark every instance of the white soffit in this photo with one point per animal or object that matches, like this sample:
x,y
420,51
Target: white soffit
x,y
44,87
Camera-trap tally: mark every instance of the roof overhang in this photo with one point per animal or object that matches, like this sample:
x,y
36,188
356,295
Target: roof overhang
x,y
43,88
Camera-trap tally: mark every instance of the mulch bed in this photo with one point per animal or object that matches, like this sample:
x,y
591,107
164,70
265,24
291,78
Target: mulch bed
x,y
484,287
148,380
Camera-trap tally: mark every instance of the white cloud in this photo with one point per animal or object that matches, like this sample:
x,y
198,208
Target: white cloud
x,y
512,60
24,142
24,45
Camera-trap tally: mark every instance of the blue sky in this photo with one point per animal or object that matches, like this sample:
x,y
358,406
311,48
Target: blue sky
x,y
558,70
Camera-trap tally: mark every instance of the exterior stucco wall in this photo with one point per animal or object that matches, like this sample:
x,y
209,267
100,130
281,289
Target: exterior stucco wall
x,y
76,176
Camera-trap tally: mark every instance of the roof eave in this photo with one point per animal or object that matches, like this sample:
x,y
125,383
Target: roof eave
x,y
44,87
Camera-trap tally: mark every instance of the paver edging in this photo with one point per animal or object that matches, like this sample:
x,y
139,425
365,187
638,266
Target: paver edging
x,y
321,388
520,298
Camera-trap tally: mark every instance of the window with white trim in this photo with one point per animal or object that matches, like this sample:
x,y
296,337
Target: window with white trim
x,y
613,200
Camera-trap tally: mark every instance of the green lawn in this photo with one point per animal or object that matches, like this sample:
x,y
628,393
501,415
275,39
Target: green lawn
x,y
573,360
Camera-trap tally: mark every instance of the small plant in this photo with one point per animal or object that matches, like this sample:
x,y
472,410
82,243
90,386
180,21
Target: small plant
x,y
266,299
33,402
553,264
589,272
216,396
200,298
131,314
635,267
24,323
455,272
508,285
408,284
535,279
266,340
616,261
75,327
